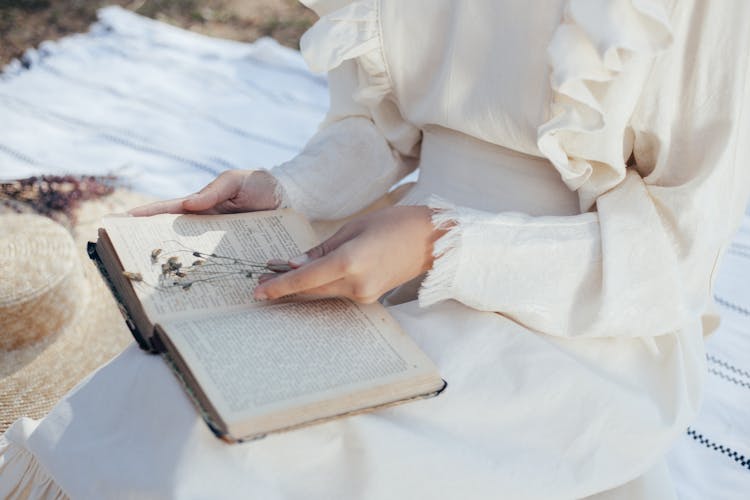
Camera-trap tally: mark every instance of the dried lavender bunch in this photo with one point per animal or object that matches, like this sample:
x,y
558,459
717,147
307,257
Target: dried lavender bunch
x,y
56,196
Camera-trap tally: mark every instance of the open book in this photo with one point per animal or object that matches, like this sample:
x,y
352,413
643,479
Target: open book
x,y
184,284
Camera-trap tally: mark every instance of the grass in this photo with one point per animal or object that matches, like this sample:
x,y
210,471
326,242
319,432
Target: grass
x,y
26,23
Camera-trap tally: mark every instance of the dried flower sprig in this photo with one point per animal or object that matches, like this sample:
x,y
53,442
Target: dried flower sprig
x,y
206,268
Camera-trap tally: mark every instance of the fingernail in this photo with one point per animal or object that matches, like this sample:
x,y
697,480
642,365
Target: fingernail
x,y
278,266
299,260
260,295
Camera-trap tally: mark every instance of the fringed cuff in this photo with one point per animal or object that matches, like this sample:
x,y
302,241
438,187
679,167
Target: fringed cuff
x,y
280,192
440,282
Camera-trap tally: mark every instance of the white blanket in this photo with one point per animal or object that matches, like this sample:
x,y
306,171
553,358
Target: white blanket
x,y
164,108
167,110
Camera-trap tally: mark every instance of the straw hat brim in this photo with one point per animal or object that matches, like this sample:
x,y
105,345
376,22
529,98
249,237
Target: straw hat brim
x,y
33,378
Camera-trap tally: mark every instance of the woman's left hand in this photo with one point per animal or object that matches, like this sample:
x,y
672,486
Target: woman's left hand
x,y
367,257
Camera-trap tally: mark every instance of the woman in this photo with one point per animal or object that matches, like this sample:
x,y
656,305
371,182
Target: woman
x,y
582,165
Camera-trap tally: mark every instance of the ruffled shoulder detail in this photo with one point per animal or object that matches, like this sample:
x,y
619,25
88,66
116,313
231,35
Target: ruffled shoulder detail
x,y
591,53
350,32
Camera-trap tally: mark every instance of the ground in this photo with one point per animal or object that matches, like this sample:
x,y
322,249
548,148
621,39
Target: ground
x,y
26,23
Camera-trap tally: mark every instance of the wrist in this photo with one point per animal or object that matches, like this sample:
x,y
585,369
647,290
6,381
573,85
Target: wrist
x,y
270,189
433,233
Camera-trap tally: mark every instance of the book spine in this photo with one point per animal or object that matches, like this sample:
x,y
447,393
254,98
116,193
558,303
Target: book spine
x,y
213,426
139,338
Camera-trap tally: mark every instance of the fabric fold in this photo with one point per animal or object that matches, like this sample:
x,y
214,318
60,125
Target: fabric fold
x,y
23,476
364,142
351,32
349,152
588,54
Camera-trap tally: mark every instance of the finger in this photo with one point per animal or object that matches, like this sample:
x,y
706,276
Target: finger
x,y
276,262
339,288
340,237
265,277
278,266
224,187
159,207
314,274
342,287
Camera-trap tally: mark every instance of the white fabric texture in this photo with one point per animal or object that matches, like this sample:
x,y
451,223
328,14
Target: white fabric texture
x,y
343,142
26,477
560,414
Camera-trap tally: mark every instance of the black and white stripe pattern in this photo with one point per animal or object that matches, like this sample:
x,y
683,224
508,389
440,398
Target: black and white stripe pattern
x,y
741,460
731,305
729,378
727,366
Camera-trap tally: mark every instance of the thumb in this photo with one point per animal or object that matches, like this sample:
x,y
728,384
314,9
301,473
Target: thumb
x,y
224,187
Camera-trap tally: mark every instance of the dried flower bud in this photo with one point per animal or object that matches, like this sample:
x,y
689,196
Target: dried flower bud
x,y
133,276
174,264
199,262
155,255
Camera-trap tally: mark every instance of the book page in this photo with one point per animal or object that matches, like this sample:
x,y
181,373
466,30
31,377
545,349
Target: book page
x,y
215,257
287,355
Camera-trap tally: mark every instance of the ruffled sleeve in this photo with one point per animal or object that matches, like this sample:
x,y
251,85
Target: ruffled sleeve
x,y
632,80
364,145
599,57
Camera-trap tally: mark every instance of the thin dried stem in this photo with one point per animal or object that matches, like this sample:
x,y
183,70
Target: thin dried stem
x,y
209,268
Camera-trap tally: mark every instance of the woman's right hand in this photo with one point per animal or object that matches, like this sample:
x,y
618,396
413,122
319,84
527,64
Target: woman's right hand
x,y
232,191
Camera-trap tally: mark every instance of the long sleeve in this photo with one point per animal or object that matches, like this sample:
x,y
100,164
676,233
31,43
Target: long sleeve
x,y
639,260
364,146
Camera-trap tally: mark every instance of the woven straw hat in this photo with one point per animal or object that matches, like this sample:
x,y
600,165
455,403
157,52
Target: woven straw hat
x,y
58,321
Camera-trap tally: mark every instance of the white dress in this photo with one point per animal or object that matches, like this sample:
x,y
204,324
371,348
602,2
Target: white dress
x,y
592,156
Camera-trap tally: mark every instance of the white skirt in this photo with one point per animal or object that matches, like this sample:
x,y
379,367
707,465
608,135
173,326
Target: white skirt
x,y
524,416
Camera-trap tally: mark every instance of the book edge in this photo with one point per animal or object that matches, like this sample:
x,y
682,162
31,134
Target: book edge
x,y
360,411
